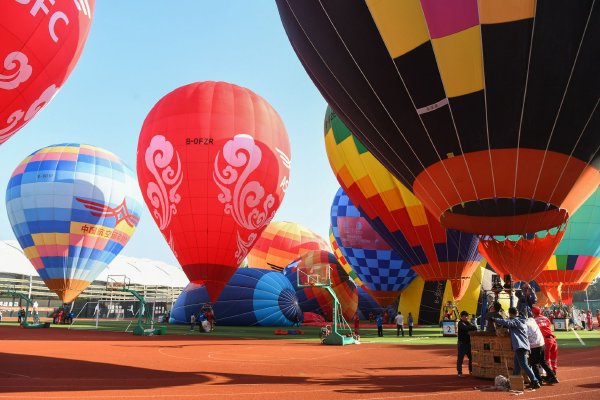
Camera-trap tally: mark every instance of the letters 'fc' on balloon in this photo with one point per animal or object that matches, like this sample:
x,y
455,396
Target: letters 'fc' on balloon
x,y
40,44
213,164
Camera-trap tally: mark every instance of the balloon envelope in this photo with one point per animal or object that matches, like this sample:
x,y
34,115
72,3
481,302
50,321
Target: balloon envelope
x,y
396,214
72,208
41,44
315,299
253,297
471,104
281,243
213,165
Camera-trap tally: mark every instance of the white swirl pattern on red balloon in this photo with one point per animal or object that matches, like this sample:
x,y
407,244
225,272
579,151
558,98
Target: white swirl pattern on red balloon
x,y
18,69
242,156
14,118
163,192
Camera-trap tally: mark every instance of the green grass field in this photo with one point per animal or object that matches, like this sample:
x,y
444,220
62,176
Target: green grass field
x,y
421,335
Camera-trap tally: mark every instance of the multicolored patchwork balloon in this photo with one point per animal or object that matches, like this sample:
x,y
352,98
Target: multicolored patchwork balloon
x,y
41,44
281,243
383,271
396,214
72,208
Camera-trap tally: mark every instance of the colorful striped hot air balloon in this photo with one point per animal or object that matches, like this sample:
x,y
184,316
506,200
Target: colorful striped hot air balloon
x,y
253,297
314,299
577,255
383,272
396,214
486,110
72,208
281,243
342,260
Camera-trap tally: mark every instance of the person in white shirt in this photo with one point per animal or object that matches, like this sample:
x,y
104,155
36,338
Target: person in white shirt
x,y
536,358
399,320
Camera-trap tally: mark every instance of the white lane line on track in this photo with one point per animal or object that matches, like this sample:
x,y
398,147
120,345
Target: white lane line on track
x,y
578,337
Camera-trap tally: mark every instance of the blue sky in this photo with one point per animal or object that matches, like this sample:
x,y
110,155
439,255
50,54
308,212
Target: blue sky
x,y
139,50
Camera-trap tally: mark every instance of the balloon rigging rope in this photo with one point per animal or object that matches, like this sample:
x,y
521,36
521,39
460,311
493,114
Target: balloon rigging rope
x,y
523,102
560,108
485,106
391,148
449,105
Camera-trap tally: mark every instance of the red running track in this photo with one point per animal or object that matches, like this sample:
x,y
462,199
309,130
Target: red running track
x,y
62,364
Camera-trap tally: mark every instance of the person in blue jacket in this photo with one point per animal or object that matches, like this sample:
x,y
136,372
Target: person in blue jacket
x,y
520,344
379,322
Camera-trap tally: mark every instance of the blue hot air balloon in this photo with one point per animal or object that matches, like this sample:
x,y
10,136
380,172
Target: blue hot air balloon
x,y
72,208
253,297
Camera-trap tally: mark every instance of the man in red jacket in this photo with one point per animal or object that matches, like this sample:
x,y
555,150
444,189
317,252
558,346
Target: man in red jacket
x,y
551,352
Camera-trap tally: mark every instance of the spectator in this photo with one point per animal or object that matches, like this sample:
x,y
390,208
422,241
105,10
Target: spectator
x,y
399,320
410,324
379,322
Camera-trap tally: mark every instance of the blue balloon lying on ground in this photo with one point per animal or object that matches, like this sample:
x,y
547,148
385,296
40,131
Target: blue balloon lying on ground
x,y
253,297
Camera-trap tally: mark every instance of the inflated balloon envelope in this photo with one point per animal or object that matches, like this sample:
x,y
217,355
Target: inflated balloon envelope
x,y
41,44
479,107
72,208
213,164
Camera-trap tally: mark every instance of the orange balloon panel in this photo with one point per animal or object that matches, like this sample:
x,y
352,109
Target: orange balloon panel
x,y
281,243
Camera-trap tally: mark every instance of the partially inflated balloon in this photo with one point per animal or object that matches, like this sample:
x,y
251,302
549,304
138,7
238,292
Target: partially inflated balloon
x,y
41,44
281,243
487,110
72,208
213,165
253,297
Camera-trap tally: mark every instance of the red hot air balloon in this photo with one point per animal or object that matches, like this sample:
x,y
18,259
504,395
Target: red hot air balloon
x,y
41,43
213,165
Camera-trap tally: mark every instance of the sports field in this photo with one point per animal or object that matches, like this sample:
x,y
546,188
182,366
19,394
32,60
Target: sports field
x,y
253,363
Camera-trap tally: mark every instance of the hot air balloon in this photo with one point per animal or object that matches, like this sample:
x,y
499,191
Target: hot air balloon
x,y
253,297
315,299
478,107
577,254
281,243
213,165
366,305
337,252
72,208
396,214
41,44
383,272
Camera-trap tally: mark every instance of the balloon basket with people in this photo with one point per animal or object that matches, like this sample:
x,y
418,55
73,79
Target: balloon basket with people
x,y
145,322
24,313
318,275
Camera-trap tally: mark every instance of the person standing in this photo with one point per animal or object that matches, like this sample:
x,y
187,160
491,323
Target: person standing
x,y
520,344
598,317
379,322
588,318
527,299
356,323
410,324
192,321
464,342
399,320
537,345
550,345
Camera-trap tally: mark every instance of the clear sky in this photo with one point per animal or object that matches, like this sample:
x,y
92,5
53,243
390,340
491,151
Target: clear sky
x,y
140,50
